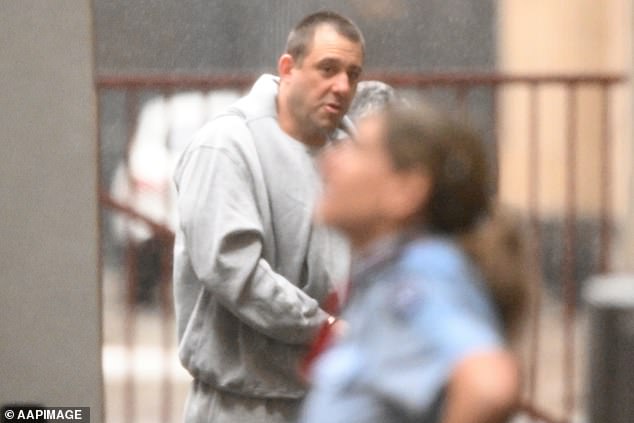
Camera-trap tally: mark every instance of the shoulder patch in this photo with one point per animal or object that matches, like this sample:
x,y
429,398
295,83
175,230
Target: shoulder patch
x,y
407,298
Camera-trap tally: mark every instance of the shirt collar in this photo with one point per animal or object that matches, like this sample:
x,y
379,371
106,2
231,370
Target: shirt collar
x,y
380,252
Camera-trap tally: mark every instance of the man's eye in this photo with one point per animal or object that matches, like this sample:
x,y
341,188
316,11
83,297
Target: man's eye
x,y
354,76
328,70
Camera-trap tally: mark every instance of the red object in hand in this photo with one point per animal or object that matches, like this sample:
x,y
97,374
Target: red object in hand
x,y
324,337
332,304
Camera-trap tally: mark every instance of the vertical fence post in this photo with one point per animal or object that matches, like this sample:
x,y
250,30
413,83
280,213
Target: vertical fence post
x,y
606,180
129,321
534,185
569,283
165,292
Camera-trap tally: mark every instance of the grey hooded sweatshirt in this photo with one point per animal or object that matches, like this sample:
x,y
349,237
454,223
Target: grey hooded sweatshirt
x,y
250,267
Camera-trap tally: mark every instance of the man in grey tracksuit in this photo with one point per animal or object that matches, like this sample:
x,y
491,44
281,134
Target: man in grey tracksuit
x,y
251,270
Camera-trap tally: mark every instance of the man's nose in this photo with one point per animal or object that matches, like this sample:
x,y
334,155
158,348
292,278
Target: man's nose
x,y
342,84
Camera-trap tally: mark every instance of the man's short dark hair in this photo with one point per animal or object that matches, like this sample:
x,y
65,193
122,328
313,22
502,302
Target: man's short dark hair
x,y
300,39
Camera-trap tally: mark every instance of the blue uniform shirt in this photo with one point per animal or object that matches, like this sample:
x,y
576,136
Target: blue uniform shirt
x,y
416,309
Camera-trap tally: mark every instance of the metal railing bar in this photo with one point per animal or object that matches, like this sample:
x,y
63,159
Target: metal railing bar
x,y
533,178
217,80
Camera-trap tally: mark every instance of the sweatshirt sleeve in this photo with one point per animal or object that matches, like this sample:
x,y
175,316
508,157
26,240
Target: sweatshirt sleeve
x,y
223,236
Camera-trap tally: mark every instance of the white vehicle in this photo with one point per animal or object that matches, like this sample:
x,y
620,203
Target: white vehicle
x,y
143,181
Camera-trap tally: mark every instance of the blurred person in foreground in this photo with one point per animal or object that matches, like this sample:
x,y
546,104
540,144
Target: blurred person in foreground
x,y
437,286
252,272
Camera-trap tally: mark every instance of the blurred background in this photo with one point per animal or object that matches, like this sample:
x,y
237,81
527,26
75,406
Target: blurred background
x,y
100,97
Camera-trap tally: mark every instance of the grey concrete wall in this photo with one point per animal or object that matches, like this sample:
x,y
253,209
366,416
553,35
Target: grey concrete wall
x,y
50,332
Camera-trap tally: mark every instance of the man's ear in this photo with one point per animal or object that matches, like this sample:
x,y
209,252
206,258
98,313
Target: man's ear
x,y
285,65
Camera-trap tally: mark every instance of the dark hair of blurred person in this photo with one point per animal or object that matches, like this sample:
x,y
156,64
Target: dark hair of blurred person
x,y
438,284
460,203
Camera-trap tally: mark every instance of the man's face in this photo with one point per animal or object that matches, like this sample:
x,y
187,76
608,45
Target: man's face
x,y
322,86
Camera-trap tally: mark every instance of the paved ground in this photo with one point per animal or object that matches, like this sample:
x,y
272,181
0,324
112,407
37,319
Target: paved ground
x,y
149,363
550,387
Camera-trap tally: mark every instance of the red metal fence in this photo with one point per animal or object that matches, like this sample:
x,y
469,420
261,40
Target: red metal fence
x,y
459,88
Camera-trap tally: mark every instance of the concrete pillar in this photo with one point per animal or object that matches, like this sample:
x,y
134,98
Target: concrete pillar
x,y
50,331
611,348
